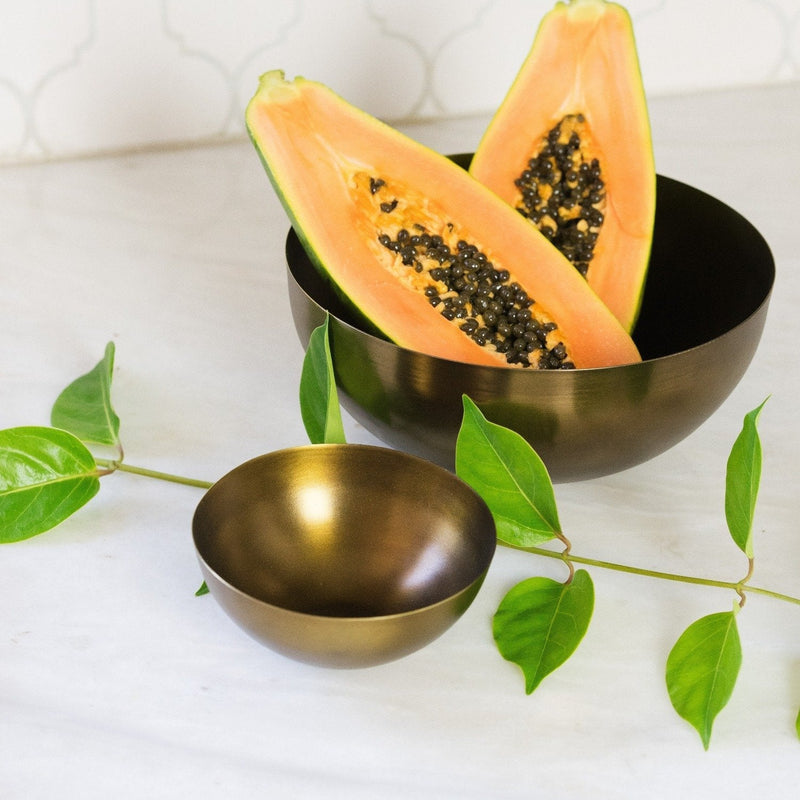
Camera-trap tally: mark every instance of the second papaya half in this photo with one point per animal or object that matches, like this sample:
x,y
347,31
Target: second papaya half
x,y
570,148
423,252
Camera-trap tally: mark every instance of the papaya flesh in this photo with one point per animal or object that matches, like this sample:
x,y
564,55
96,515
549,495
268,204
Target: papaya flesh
x,y
570,148
433,260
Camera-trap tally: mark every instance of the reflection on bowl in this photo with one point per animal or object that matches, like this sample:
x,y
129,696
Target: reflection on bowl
x,y
705,304
343,555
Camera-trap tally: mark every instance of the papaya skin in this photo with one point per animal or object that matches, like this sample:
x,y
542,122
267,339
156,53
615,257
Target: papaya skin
x,y
583,61
313,144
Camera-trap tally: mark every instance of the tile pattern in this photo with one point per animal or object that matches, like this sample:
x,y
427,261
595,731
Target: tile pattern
x,y
82,76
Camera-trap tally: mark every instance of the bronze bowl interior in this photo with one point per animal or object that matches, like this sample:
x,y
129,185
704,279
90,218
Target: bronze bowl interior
x,y
703,312
343,555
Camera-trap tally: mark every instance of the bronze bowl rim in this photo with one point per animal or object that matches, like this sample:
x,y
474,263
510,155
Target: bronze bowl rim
x,y
463,160
544,372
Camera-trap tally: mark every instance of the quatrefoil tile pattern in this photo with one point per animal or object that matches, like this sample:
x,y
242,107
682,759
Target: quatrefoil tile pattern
x,y
82,77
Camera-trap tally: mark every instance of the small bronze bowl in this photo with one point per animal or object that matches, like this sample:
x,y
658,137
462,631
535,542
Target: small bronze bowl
x,y
705,304
343,555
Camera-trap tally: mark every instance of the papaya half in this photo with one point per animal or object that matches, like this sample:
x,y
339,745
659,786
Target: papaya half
x,y
570,148
433,260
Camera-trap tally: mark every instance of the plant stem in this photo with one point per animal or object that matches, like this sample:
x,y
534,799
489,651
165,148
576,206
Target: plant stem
x,y
740,585
112,466
566,555
667,576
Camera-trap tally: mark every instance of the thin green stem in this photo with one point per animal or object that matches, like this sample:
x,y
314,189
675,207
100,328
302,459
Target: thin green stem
x,y
741,584
566,555
667,576
112,466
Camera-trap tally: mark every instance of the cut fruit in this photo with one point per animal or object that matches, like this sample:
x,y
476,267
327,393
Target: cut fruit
x,y
432,259
570,149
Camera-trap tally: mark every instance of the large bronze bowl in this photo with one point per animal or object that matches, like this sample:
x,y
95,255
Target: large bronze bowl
x,y
705,304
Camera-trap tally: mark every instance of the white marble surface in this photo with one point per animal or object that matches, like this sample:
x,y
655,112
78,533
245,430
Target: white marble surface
x,y
116,681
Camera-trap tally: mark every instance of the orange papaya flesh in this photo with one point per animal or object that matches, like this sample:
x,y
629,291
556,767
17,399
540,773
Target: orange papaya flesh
x,y
570,148
432,259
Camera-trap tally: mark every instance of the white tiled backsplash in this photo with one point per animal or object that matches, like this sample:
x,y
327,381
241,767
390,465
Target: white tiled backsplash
x,y
79,77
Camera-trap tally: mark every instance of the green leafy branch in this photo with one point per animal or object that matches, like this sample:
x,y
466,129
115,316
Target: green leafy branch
x,y
540,622
48,473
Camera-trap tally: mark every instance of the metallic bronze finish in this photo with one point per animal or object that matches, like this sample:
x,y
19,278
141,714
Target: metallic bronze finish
x,y
343,555
705,304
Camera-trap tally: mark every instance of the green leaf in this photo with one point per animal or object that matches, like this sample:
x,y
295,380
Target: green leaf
x,y
742,481
702,669
84,407
540,622
46,474
319,402
510,477
202,590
